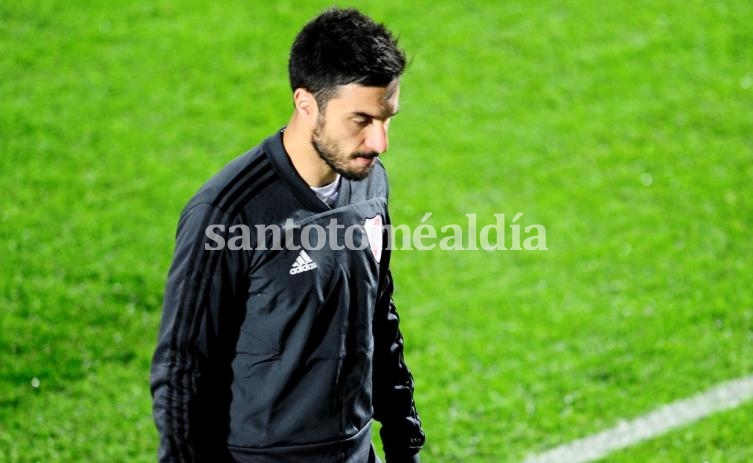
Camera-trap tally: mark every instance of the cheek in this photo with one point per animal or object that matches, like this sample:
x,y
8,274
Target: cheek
x,y
339,133
349,140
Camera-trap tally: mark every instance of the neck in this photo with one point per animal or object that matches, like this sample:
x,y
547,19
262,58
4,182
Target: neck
x,y
297,142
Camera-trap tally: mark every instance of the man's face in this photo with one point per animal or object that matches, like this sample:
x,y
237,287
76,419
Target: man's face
x,y
352,130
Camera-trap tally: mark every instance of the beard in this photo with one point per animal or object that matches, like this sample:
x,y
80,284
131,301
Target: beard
x,y
329,151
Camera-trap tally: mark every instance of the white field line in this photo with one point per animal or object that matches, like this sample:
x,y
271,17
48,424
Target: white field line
x,y
724,396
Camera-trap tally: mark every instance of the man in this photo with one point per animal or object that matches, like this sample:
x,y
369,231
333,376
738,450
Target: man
x,y
270,351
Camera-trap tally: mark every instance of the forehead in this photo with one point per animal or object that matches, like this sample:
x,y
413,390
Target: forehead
x,y
373,100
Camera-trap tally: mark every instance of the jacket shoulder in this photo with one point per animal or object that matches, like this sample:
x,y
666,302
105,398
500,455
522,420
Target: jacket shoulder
x,y
230,189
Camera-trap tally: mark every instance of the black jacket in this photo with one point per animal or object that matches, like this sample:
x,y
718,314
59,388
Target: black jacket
x,y
272,353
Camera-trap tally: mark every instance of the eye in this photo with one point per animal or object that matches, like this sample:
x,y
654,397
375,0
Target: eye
x,y
362,121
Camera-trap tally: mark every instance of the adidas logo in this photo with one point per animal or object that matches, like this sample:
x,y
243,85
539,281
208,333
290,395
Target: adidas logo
x,y
303,263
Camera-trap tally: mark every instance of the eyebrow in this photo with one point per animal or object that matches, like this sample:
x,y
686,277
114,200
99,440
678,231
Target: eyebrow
x,y
371,116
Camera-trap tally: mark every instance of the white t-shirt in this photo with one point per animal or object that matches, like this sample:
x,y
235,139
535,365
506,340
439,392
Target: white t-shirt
x,y
328,193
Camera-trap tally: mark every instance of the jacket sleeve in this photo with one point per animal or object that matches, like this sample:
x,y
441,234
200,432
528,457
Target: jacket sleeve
x,y
188,374
401,432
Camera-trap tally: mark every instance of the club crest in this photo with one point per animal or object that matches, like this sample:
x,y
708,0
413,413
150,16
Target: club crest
x,y
373,227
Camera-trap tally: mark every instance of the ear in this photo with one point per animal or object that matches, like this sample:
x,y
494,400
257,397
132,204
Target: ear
x,y
305,104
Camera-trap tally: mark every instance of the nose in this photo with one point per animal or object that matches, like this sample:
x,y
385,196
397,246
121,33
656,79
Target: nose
x,y
376,139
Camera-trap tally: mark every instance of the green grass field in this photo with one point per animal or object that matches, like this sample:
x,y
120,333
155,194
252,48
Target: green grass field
x,y
625,128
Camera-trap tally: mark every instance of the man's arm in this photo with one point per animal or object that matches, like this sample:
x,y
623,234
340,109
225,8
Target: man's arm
x,y
402,435
189,374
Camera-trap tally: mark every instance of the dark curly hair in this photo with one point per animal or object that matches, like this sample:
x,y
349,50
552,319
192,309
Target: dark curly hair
x,y
341,47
